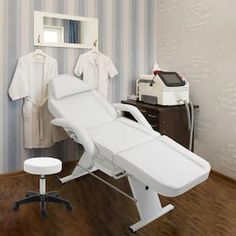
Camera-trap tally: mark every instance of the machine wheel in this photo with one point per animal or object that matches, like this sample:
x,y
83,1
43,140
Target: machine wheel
x,y
15,207
43,215
69,207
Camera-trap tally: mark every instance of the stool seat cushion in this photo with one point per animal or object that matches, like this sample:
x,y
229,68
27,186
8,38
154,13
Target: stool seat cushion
x,y
42,165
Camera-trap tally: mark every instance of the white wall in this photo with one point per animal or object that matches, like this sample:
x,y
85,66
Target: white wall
x,y
198,39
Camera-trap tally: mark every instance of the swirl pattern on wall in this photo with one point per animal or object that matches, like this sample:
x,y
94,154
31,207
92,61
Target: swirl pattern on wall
x,y
202,48
167,6
227,98
198,16
168,47
202,125
197,69
226,160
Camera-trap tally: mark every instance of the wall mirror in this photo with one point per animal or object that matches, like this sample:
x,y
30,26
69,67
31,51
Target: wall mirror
x,y
58,30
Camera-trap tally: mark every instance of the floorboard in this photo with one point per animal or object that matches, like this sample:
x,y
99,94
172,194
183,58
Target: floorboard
x,y
208,209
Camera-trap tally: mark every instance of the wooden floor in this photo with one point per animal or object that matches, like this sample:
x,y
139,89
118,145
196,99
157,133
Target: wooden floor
x,y
208,209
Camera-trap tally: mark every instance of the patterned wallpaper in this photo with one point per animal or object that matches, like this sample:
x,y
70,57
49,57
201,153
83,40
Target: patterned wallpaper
x,y
197,39
127,33
194,37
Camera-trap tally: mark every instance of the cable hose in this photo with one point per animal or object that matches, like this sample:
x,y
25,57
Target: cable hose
x,y
192,126
190,116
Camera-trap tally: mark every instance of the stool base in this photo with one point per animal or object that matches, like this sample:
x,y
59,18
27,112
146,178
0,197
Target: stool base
x,y
42,198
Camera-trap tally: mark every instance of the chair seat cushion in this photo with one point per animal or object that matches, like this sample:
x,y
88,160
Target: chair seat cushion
x,y
119,135
42,165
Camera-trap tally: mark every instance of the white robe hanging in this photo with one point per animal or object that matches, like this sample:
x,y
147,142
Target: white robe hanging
x,y
96,68
30,81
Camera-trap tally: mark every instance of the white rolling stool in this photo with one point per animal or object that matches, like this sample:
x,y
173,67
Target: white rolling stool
x,y
42,166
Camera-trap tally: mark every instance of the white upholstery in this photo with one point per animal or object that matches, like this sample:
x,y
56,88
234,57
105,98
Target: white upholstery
x,y
155,160
63,89
119,135
77,108
42,165
166,171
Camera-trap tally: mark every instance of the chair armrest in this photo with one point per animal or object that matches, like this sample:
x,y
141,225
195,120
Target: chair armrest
x,y
134,111
80,135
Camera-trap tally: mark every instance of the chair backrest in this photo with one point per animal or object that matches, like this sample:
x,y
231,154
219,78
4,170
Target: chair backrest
x,y
71,98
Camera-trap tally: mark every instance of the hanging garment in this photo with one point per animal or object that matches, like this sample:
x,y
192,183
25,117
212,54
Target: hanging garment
x,y
96,69
30,81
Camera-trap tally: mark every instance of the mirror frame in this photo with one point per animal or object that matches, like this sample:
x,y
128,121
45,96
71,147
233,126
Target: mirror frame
x,y
38,30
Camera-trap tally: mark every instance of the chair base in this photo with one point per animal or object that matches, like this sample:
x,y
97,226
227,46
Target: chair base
x,y
148,204
42,198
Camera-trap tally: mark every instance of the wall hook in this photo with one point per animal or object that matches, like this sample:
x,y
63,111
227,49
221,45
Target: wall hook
x,y
39,38
95,43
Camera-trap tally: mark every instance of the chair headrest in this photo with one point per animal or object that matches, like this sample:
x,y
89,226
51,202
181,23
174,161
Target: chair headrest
x,y
67,85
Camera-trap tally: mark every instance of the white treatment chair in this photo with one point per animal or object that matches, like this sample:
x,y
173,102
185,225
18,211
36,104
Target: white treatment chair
x,y
117,146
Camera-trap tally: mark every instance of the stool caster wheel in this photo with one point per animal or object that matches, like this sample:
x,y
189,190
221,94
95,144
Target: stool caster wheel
x,y
43,215
15,207
69,207
132,231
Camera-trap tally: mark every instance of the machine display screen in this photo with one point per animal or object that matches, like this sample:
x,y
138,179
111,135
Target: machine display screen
x,y
171,79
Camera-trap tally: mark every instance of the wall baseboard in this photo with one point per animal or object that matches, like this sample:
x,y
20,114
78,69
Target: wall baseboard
x,y
12,174
68,164
217,174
